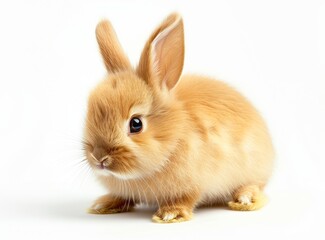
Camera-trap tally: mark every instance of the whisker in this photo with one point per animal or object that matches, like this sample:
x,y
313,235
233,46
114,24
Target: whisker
x,y
129,197
140,199
154,194
92,155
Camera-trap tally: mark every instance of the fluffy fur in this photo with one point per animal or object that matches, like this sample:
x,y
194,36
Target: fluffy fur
x,y
202,143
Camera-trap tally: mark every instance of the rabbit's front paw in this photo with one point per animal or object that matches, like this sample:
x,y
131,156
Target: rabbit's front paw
x,y
108,205
172,215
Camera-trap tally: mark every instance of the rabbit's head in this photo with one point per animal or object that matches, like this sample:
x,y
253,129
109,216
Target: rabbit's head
x,y
133,121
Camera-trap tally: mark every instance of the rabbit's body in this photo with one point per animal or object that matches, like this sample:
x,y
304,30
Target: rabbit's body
x,y
175,142
234,141
223,144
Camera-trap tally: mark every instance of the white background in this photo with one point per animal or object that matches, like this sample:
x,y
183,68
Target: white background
x,y
272,51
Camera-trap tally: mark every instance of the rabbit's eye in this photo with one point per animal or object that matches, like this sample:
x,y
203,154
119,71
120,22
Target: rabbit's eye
x,y
135,125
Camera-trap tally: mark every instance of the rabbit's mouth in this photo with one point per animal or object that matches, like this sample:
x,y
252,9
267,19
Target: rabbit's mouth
x,y
106,171
102,171
104,162
117,167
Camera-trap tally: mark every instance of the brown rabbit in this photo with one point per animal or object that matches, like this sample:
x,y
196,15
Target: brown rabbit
x,y
154,137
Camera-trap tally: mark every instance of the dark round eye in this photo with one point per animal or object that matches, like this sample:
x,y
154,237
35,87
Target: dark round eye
x,y
135,125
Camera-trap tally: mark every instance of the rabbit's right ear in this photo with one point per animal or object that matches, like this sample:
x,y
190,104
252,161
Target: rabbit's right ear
x,y
161,62
114,57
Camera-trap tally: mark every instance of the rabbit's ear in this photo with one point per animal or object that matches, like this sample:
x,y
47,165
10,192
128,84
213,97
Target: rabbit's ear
x,y
162,59
114,57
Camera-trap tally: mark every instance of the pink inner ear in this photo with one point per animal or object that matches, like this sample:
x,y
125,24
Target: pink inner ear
x,y
167,54
156,55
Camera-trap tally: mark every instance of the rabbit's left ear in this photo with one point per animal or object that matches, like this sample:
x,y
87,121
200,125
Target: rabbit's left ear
x,y
162,59
114,57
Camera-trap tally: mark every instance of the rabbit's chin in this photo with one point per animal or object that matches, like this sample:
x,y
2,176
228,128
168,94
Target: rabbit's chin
x,y
122,176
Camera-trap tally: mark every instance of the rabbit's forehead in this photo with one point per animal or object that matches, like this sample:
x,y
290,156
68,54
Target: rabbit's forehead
x,y
122,95
126,109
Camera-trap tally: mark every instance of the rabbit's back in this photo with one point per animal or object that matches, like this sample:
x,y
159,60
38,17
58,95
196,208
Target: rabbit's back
x,y
235,142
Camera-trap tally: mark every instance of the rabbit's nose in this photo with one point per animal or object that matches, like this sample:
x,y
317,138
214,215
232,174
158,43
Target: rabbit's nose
x,y
99,154
105,162
103,158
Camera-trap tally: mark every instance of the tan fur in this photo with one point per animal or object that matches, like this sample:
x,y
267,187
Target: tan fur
x,y
112,52
251,192
109,204
202,142
169,60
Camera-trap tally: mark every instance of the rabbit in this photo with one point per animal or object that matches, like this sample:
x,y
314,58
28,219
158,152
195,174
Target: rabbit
x,y
174,142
